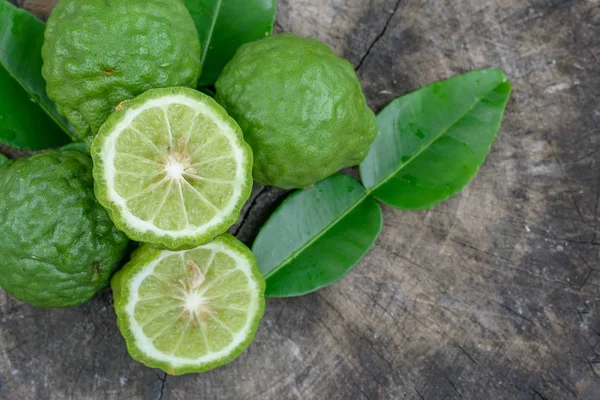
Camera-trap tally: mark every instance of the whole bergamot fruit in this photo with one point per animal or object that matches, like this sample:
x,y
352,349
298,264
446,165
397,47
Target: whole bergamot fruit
x,y
98,53
58,247
301,108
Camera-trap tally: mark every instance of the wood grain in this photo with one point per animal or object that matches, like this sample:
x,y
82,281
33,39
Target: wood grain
x,y
494,294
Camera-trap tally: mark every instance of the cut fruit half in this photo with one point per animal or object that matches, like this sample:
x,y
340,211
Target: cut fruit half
x,y
172,168
191,310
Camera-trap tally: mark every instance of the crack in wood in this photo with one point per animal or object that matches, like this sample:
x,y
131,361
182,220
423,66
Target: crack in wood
x,y
419,394
467,354
537,393
454,386
253,203
163,385
379,36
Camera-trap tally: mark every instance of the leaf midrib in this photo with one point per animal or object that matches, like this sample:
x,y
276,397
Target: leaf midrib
x,y
368,191
211,30
287,260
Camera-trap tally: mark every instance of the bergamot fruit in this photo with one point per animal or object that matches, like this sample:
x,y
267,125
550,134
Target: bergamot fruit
x,y
301,108
172,168
98,53
189,311
58,247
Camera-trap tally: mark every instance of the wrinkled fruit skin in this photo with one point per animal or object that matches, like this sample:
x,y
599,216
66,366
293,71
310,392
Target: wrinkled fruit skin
x,y
98,53
301,108
58,245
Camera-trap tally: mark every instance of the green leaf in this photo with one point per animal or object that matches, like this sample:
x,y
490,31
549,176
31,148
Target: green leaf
x,y
3,159
81,147
432,142
316,236
23,124
28,118
225,25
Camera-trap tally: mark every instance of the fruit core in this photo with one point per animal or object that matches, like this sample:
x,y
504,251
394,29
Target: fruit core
x,y
179,161
196,307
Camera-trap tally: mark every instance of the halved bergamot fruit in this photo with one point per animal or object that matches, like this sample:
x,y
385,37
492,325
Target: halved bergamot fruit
x,y
172,168
191,310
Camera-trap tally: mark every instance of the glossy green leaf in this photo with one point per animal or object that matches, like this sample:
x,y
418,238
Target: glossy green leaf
x,y
3,159
432,142
224,25
23,124
316,236
81,147
28,118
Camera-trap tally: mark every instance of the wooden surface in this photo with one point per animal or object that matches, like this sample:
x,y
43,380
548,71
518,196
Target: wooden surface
x,y
494,294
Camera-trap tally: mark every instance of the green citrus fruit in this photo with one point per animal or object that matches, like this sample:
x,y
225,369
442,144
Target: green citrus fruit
x,y
172,168
58,245
189,311
301,109
98,53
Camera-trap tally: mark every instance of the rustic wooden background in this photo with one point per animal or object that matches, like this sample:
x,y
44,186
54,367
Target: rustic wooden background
x,y
494,294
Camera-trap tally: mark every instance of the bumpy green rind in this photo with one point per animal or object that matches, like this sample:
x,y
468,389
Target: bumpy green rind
x,y
98,53
58,245
121,293
301,108
115,212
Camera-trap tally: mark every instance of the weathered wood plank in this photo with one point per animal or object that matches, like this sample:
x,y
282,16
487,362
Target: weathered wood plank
x,y
491,295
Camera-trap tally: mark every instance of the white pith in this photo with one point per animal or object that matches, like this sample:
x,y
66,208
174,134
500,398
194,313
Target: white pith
x,y
194,301
145,344
174,169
